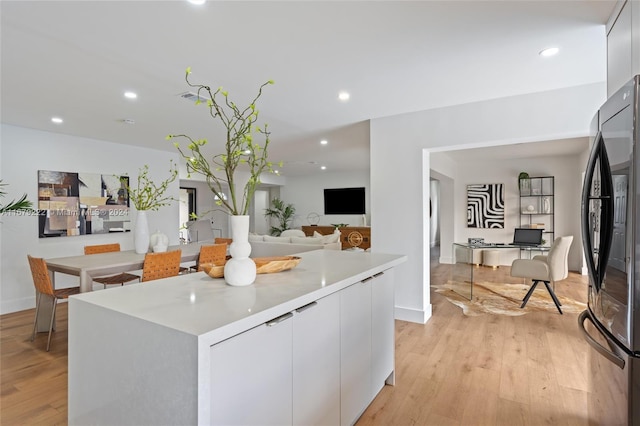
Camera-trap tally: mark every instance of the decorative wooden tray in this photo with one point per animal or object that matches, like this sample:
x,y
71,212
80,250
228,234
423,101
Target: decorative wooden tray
x,y
268,265
264,265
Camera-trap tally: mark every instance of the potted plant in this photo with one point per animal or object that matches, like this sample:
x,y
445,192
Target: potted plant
x,y
241,152
146,195
283,213
22,205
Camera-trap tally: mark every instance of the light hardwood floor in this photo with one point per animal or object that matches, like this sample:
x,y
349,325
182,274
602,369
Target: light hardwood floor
x,y
454,370
487,370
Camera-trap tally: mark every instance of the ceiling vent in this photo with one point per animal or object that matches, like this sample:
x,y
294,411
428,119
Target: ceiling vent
x,y
190,96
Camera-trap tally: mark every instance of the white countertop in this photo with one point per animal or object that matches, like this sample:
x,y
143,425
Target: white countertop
x,y
212,311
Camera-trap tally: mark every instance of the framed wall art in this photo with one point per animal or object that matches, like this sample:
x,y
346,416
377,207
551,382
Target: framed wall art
x,y
72,203
485,205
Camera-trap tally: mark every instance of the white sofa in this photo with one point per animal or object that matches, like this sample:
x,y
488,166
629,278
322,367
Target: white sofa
x,y
291,243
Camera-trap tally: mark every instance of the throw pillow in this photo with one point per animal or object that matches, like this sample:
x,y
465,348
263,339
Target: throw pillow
x,y
316,234
293,233
332,238
307,240
255,237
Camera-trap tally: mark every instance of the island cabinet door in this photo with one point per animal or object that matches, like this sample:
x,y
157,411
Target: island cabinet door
x,y
355,350
251,376
316,362
383,331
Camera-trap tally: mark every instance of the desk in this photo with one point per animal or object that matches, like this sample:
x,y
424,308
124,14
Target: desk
x,y
462,270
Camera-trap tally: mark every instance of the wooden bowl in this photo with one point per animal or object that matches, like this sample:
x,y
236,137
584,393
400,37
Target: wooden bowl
x,y
269,265
213,270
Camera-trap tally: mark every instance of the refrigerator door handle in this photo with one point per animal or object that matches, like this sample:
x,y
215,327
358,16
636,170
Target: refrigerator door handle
x,y
618,361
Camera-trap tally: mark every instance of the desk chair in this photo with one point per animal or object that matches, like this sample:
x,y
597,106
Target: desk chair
x,y
44,286
216,253
120,278
546,269
161,265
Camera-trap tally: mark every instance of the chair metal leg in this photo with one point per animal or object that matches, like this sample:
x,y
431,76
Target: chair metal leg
x,y
35,320
529,293
553,296
53,316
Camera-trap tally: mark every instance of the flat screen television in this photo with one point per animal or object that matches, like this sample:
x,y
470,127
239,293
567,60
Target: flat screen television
x,y
527,237
344,201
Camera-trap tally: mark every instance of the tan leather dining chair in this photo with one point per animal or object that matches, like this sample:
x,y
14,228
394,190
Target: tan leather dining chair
x,y
546,269
44,286
161,265
121,278
216,254
219,240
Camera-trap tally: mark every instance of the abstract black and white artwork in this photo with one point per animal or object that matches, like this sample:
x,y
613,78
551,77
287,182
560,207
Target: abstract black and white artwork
x,y
485,205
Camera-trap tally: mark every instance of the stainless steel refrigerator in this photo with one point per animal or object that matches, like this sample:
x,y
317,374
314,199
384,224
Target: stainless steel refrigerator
x,y
611,239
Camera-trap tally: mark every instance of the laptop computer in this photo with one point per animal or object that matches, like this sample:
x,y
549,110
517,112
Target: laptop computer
x,y
527,237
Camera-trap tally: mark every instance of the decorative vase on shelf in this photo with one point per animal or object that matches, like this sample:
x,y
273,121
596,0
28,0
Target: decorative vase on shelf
x,y
546,206
240,270
141,233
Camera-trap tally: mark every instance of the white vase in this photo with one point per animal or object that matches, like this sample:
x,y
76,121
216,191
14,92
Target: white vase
x,y
141,233
240,270
158,242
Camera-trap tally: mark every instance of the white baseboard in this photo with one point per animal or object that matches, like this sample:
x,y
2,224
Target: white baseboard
x,y
413,315
16,305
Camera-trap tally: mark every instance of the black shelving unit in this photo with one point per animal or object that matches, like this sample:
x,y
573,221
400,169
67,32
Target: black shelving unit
x,y
537,205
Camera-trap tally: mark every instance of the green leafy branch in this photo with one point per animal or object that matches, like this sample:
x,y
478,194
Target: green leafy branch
x,y
22,205
240,148
147,195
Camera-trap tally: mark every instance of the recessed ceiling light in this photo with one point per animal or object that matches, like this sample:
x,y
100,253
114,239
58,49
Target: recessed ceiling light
x,y
550,51
344,96
197,2
324,142
130,95
323,168
56,120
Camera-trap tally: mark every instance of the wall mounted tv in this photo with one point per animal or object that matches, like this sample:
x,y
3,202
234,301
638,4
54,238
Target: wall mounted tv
x,y
344,201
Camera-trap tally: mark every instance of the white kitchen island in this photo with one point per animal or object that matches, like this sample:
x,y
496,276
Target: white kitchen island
x,y
313,345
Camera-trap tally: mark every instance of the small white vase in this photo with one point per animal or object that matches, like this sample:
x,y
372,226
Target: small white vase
x,y
240,270
141,233
159,242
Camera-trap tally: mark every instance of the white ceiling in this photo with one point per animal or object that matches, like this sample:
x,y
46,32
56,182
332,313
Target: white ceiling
x,y
75,59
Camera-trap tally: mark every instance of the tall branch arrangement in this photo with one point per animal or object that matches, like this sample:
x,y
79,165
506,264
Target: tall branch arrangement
x,y
240,148
22,205
147,195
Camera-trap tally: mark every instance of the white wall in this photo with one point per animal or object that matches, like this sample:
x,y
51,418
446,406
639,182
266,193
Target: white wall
x,y
567,171
24,152
400,164
206,207
307,195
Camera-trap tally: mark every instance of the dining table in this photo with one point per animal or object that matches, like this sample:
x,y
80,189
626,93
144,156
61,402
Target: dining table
x,y
93,265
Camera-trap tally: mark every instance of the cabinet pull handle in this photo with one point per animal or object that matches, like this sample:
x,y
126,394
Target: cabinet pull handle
x,y
305,307
278,320
366,279
378,274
